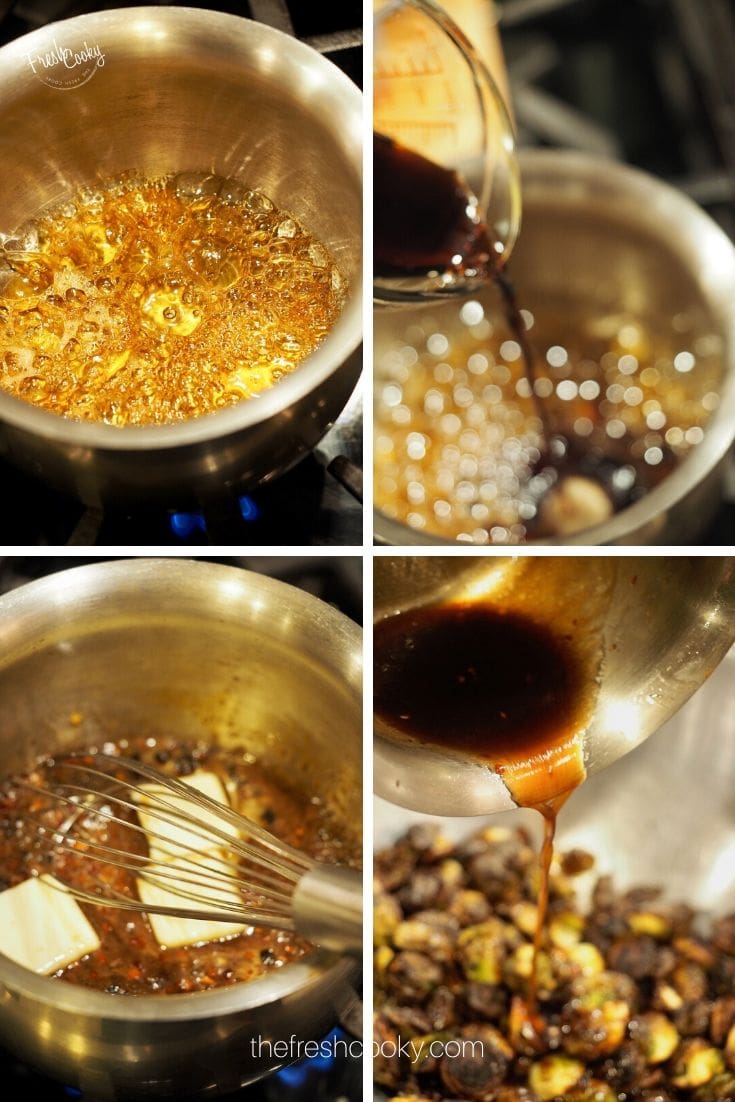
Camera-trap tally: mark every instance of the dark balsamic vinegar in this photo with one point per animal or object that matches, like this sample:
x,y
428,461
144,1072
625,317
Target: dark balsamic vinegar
x,y
518,328
497,687
425,220
422,215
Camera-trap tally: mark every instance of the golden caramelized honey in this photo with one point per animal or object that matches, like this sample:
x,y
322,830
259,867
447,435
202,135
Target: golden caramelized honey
x,y
153,301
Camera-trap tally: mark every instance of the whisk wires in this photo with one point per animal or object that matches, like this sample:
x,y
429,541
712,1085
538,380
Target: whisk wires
x,y
205,860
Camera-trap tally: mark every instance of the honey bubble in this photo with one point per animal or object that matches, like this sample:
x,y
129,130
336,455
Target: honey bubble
x,y
147,301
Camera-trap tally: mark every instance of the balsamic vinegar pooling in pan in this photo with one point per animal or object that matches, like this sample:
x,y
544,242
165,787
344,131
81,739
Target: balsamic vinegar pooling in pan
x,y
482,438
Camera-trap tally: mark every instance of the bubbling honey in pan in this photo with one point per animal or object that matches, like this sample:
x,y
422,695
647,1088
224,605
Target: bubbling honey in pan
x,y
149,301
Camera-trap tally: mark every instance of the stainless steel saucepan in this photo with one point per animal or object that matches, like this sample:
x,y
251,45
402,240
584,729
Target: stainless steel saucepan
x,y
655,628
204,651
598,239
181,89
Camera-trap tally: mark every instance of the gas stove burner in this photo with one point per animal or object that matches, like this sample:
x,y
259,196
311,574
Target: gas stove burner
x,y
309,505
185,525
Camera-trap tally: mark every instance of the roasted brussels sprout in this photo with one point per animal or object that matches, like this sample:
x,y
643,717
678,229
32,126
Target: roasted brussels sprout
x,y
413,975
480,1066
421,891
554,1076
633,1004
635,955
441,1008
695,1063
469,907
481,951
425,938
592,1030
656,1036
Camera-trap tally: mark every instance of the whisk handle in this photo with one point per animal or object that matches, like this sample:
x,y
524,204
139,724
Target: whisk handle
x,y
327,907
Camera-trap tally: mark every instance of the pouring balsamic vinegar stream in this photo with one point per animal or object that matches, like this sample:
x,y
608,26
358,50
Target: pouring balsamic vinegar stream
x,y
506,685
479,437
427,222
426,218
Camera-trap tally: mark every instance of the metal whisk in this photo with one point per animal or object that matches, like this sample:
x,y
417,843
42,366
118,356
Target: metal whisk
x,y
201,860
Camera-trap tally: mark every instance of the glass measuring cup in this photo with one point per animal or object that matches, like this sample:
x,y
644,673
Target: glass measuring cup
x,y
446,182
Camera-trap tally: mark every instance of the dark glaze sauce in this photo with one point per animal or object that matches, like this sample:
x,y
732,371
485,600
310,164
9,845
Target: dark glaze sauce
x,y
488,684
494,686
130,961
467,677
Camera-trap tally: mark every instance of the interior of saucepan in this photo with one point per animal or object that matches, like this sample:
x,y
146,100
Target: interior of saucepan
x,y
154,648
184,90
602,251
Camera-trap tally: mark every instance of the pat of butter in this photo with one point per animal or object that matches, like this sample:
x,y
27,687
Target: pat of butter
x,y
170,932
181,836
42,927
